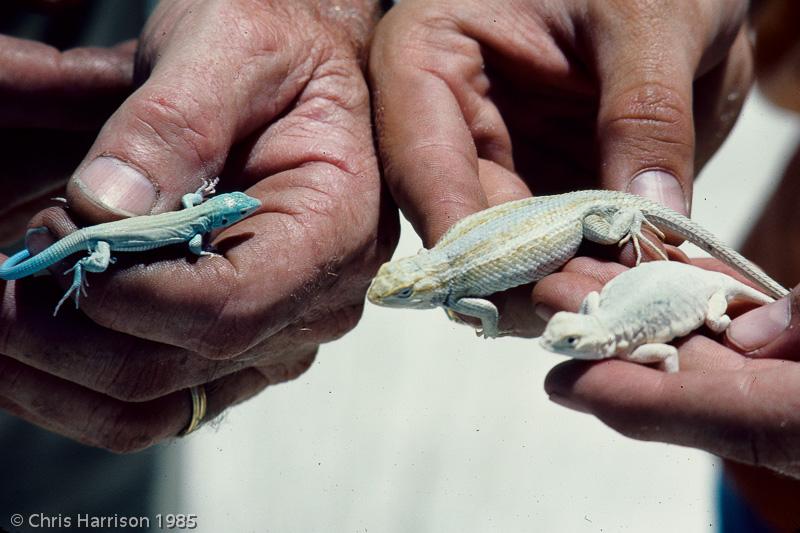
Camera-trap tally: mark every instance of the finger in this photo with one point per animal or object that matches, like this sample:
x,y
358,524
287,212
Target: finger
x,y
744,414
499,184
127,368
644,126
75,349
562,291
770,331
430,162
700,353
74,89
36,180
98,420
312,249
202,96
566,290
596,269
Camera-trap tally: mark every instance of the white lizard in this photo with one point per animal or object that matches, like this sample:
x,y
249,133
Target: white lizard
x,y
522,241
643,308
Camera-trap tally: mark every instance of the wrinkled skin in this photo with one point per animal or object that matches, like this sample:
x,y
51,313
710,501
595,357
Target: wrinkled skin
x,y
478,102
269,95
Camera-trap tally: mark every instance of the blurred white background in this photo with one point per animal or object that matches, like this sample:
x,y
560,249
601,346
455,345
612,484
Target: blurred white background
x,y
411,423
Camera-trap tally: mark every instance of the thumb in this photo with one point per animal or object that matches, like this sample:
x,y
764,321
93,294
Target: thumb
x,y
769,331
645,128
178,127
153,149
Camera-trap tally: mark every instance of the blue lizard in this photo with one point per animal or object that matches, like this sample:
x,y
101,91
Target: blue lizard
x,y
135,234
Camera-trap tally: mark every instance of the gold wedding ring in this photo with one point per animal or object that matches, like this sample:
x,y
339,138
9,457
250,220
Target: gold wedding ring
x,y
199,403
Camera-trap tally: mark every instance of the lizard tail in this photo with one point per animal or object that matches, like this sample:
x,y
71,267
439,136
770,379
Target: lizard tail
x,y
696,234
744,292
7,270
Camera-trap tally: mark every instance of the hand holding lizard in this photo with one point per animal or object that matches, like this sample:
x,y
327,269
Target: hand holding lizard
x,y
736,406
288,124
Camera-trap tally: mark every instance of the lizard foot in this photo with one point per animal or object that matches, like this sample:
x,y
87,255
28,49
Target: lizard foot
x,y
493,334
636,236
208,188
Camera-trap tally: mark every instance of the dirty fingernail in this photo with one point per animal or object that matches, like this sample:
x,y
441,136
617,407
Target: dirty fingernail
x,y
545,312
117,186
662,187
759,327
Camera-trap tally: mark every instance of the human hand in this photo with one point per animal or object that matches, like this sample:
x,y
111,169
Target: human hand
x,y
51,106
271,97
481,102
739,407
471,94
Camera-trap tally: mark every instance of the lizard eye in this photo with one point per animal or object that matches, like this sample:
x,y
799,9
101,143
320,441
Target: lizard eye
x,y
225,221
572,340
243,212
404,293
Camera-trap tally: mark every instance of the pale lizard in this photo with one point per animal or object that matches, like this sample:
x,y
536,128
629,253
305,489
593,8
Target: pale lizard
x,y
522,241
643,308
135,234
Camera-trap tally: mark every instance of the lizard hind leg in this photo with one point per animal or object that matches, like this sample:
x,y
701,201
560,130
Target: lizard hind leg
x,y
634,232
622,226
78,286
664,354
716,320
97,261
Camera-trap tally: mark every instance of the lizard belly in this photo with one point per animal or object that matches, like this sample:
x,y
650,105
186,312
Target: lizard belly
x,y
141,245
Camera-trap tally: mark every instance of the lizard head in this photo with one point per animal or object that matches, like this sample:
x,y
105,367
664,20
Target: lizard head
x,y
579,336
407,282
232,207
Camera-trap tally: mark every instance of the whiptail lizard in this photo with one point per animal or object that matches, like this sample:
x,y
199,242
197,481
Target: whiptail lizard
x,y
135,234
643,308
522,241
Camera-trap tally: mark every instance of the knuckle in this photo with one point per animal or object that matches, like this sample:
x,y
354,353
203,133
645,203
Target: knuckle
x,y
329,326
284,371
661,109
179,120
136,384
230,335
121,431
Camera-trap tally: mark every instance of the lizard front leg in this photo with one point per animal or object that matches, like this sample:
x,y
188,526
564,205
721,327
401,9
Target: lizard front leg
x,y
590,304
97,261
481,309
619,228
196,198
196,246
716,319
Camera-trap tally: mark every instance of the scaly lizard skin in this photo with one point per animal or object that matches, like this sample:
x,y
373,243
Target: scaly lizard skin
x,y
135,234
643,308
522,241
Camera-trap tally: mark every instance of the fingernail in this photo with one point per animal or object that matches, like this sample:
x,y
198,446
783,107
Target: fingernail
x,y
662,187
759,327
37,239
545,312
117,186
36,231
568,403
